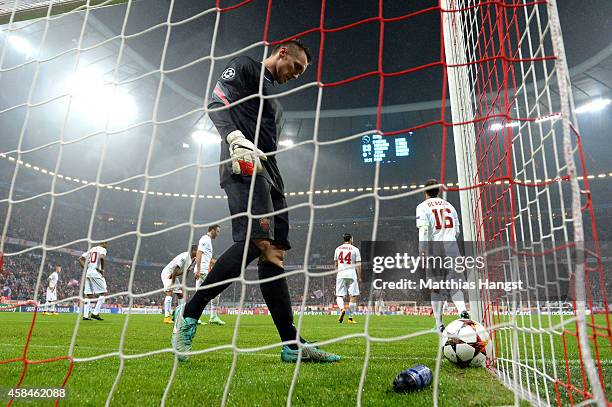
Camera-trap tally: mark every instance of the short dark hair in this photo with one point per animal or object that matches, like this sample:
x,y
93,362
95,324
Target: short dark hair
x,y
432,192
347,237
213,227
294,44
194,248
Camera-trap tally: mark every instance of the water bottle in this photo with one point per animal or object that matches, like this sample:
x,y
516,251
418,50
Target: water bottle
x,y
413,379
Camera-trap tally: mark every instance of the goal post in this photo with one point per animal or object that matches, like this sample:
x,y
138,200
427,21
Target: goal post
x,y
464,136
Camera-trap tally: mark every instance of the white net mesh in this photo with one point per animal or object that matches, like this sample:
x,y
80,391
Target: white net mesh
x,y
77,85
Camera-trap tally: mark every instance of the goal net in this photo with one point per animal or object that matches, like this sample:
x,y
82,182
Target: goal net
x,y
525,198
92,129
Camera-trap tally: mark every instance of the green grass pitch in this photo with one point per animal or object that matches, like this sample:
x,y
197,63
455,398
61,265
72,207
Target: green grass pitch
x,y
260,378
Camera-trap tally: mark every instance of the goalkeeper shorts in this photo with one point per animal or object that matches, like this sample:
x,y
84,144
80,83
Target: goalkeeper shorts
x,y
266,199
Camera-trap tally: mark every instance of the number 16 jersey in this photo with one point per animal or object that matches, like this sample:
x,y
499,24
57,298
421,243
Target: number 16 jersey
x,y
441,219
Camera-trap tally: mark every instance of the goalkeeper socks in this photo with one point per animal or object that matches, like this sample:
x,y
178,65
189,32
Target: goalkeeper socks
x,y
340,302
225,268
436,306
276,295
167,305
458,300
352,309
86,307
98,305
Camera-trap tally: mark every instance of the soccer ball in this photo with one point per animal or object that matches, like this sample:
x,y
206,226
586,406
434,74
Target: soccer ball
x,y
466,343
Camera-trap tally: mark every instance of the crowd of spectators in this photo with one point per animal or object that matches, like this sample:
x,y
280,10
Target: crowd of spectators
x,y
68,225
20,273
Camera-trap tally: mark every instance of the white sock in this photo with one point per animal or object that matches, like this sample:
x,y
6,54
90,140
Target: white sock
x,y
340,302
457,298
99,305
53,308
352,309
167,305
436,305
86,307
213,306
380,304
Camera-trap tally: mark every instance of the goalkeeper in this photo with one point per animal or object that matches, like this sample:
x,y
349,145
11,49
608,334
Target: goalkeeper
x,y
240,161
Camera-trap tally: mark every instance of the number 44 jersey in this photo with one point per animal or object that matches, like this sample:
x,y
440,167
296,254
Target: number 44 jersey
x,y
441,219
347,256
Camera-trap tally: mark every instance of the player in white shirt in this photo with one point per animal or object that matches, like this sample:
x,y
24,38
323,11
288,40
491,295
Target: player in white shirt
x,y
204,263
170,277
348,265
438,223
51,297
92,262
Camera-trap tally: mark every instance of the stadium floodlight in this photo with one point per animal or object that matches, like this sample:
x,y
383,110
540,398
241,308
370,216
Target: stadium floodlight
x,y
97,98
286,143
21,45
499,126
205,132
205,137
596,105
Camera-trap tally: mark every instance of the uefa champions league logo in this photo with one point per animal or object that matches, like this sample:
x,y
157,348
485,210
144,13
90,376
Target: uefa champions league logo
x,y
228,73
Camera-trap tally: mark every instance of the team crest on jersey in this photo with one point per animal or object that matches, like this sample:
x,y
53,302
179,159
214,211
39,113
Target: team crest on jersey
x,y
229,73
264,224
